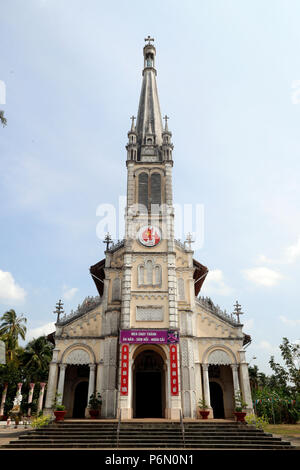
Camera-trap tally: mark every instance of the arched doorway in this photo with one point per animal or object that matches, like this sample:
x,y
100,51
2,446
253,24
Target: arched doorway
x,y
149,385
216,400
80,400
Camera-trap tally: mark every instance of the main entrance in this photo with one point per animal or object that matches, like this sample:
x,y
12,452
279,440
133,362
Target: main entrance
x,y
216,399
149,385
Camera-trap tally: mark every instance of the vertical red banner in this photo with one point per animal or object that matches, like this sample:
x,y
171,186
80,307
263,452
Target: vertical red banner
x,y
124,369
173,370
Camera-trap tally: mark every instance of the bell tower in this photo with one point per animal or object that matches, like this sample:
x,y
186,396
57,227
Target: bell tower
x,y
149,212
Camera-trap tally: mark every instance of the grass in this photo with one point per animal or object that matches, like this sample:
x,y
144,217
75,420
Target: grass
x,y
284,429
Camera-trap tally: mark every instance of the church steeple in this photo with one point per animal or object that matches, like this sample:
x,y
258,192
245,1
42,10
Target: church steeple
x,y
149,128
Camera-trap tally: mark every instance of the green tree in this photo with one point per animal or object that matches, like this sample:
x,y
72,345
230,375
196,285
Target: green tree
x,y
36,358
11,328
288,376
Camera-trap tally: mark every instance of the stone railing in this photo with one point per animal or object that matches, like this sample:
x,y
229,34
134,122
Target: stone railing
x,y
209,306
180,244
115,246
87,305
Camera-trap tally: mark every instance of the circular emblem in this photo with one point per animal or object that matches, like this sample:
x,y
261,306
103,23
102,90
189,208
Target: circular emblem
x,y
149,235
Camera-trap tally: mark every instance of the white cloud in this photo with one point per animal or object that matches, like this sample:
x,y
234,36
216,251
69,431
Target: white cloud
x,y
40,331
290,255
10,291
289,321
266,346
292,252
263,276
69,293
215,284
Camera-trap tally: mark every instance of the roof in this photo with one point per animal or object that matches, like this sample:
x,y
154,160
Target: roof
x,y
98,275
200,274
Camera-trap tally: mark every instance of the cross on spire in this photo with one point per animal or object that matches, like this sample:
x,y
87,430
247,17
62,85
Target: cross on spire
x,y
107,240
59,309
149,39
189,240
238,311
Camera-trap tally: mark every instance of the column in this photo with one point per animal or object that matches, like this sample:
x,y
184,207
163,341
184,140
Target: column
x,y
61,383
30,396
245,382
3,399
91,381
41,396
206,385
51,389
235,377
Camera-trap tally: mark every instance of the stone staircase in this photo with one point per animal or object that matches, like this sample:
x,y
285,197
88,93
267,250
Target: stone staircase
x,y
147,435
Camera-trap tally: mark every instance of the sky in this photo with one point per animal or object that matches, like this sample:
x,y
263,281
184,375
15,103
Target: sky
x,y
228,75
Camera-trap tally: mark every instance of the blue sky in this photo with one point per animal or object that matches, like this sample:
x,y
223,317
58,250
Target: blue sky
x,y
228,77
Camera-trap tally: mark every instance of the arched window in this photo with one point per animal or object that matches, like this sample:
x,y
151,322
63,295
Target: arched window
x,y
156,188
141,274
157,271
149,272
143,192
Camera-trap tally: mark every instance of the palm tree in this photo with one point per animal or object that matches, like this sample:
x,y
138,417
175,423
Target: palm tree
x,y
10,329
36,358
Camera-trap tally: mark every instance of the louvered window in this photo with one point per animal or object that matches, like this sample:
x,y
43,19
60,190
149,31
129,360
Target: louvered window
x,y
143,191
155,189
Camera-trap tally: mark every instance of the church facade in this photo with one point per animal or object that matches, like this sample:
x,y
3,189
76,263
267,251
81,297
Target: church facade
x,y
148,342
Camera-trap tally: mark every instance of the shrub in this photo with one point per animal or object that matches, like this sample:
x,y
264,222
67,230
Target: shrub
x,y
40,422
258,422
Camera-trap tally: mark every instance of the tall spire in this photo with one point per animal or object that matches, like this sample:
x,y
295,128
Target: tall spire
x,y
149,115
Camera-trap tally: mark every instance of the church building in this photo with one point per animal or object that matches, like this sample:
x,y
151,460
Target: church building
x,y
148,342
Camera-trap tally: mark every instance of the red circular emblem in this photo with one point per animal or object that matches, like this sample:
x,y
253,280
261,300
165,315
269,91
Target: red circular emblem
x,y
149,235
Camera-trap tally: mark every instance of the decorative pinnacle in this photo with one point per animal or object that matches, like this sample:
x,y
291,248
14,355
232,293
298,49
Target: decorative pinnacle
x,y
237,311
149,39
132,125
107,240
166,122
59,309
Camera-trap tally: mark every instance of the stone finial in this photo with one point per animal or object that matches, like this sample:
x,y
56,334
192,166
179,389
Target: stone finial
x,y
132,124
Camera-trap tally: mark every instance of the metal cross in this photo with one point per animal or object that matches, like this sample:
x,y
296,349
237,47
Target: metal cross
x,y
238,311
59,309
189,240
149,39
107,240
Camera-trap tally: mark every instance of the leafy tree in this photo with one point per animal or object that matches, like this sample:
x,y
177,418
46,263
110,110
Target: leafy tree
x,y
288,376
11,328
36,358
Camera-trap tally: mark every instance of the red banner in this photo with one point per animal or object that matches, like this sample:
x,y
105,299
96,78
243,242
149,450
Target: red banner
x,y
124,369
174,370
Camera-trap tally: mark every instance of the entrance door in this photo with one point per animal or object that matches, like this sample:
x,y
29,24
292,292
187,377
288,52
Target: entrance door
x,y
80,400
149,386
216,400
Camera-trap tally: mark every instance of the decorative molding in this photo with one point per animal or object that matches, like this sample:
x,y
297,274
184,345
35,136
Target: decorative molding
x,y
219,357
149,313
78,357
